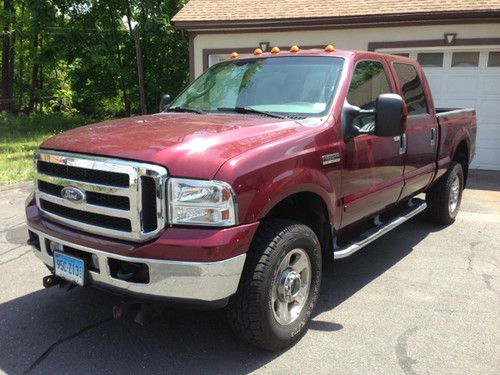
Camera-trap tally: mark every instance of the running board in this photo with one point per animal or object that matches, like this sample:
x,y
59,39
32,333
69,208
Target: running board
x,y
415,206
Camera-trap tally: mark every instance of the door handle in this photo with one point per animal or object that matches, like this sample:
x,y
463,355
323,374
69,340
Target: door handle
x,y
402,145
433,137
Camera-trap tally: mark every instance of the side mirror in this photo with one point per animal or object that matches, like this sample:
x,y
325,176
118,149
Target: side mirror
x,y
388,119
165,102
390,115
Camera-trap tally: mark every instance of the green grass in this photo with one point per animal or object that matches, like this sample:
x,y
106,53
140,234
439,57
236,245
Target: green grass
x,y
21,135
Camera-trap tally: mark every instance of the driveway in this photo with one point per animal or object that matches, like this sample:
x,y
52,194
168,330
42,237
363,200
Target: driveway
x,y
422,299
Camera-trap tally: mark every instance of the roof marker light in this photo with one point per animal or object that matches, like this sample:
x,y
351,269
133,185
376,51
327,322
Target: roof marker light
x,y
275,50
257,51
234,55
330,48
294,49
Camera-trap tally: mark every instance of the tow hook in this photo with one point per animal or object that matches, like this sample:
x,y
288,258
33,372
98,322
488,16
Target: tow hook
x,y
50,281
133,309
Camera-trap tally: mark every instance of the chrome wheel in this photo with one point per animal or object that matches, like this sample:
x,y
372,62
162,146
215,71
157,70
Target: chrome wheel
x,y
454,195
291,286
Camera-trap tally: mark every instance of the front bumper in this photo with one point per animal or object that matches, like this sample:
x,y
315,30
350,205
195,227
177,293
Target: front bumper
x,y
185,281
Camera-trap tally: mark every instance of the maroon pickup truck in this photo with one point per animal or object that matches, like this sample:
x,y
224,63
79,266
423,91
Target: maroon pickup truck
x,y
234,195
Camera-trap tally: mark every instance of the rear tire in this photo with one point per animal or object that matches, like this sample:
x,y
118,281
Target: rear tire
x,y
279,287
444,198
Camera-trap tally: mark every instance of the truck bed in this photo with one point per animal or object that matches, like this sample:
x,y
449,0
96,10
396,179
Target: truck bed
x,y
453,123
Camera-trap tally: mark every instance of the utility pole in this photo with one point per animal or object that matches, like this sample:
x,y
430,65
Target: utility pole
x,y
133,28
140,69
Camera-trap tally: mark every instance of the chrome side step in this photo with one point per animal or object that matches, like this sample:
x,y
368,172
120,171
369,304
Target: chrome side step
x,y
415,206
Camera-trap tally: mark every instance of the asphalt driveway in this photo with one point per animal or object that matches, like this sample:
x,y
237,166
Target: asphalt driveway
x,y
422,299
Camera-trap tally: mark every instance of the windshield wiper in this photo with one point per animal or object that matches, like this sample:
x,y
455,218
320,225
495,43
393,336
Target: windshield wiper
x,y
250,110
185,109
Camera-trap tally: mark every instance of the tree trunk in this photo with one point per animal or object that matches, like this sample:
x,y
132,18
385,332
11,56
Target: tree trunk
x,y
126,99
140,71
34,77
12,59
7,53
138,55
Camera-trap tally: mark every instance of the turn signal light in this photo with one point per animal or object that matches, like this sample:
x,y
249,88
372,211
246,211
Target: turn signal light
x,y
294,49
234,55
329,48
275,50
257,51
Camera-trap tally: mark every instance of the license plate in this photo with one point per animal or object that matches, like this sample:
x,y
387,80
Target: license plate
x,y
69,268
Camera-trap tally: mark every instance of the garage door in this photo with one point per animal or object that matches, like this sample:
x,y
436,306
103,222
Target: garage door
x,y
467,78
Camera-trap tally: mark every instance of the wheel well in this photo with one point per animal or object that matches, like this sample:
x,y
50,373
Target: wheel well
x,y
309,209
462,156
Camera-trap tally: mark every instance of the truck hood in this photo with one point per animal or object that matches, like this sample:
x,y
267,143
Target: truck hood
x,y
188,145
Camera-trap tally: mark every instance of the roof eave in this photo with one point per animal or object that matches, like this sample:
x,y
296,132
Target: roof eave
x,y
344,21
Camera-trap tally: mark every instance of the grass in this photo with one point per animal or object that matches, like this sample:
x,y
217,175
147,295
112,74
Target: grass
x,y
21,135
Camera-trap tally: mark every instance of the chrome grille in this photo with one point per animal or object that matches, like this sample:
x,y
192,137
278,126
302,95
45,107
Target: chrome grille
x,y
123,199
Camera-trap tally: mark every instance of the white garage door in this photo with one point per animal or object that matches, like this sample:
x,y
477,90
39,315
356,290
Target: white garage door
x,y
467,78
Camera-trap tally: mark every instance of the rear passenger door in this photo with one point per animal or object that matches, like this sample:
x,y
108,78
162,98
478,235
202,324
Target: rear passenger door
x,y
421,130
372,177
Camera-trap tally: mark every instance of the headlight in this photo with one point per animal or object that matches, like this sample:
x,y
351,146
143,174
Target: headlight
x,y
197,202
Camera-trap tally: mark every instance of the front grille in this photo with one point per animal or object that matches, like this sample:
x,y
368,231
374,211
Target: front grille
x,y
148,203
98,199
102,221
117,198
83,174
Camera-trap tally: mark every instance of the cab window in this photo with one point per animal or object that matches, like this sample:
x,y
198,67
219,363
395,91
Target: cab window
x,y
369,80
412,89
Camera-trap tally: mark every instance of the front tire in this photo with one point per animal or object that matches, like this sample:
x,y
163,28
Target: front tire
x,y
444,198
279,286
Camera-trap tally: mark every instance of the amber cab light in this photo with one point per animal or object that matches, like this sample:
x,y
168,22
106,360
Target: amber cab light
x,y
257,51
234,55
294,49
329,48
275,50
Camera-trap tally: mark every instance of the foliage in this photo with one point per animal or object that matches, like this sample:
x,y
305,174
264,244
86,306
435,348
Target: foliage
x,y
78,56
21,135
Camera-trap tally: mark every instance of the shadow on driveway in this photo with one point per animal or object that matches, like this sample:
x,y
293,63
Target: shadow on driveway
x,y
51,331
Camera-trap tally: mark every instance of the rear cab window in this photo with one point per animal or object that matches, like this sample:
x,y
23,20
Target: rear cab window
x,y
411,88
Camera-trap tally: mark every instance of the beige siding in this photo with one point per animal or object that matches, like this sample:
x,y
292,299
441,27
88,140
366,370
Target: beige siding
x,y
354,39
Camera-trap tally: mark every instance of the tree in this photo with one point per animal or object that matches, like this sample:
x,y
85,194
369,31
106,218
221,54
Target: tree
x,y
77,55
8,57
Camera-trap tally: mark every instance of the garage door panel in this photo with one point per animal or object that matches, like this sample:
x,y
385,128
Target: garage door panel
x,y
457,103
488,138
490,85
489,110
488,159
436,81
457,84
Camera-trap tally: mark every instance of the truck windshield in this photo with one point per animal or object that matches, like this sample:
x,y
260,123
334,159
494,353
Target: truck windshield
x,y
288,86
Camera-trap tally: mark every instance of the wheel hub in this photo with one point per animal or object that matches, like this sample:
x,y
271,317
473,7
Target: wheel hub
x,y
289,285
290,289
454,195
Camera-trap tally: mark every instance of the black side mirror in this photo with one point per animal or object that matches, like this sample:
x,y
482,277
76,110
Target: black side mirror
x,y
165,102
390,115
388,118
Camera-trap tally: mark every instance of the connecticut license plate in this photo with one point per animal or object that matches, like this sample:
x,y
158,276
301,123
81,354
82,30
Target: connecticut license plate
x,y
69,268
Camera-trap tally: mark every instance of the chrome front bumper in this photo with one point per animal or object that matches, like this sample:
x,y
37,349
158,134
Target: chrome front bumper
x,y
176,280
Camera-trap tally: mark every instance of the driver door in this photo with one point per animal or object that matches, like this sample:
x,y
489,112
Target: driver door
x,y
372,178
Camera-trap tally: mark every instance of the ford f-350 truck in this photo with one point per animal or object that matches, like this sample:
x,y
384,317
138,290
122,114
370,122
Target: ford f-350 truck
x,y
236,193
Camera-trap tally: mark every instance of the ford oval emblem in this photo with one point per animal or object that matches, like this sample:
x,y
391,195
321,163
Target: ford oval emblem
x,y
73,194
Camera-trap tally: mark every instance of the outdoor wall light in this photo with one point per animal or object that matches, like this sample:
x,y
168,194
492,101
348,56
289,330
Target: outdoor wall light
x,y
264,46
450,38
